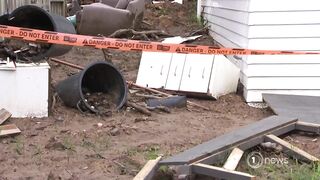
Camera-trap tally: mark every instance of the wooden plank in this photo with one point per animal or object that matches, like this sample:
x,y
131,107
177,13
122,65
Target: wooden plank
x,y
147,172
308,127
305,108
9,129
230,140
220,156
4,115
218,172
233,159
292,150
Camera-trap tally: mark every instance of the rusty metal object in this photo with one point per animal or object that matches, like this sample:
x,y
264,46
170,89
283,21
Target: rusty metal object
x,y
99,18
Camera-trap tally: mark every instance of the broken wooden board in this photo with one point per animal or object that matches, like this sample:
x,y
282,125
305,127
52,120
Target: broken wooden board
x,y
4,115
308,127
233,159
291,149
148,170
249,135
218,172
9,129
305,108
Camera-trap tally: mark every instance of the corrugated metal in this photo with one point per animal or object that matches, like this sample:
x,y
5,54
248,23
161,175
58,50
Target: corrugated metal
x,y
58,7
55,6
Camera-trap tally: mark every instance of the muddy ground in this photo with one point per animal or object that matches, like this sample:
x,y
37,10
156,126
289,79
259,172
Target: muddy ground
x,y
73,145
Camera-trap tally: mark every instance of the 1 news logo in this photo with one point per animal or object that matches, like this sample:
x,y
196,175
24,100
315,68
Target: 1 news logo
x,y
256,160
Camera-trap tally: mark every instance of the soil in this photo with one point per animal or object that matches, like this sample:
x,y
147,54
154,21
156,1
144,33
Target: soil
x,y
73,145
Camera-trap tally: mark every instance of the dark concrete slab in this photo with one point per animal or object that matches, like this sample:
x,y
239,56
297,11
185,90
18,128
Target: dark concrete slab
x,y
305,108
229,140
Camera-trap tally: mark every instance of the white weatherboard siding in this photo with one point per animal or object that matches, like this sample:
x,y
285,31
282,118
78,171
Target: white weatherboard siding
x,y
270,25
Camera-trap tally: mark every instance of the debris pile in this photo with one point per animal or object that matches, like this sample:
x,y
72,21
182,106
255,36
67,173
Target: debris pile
x,y
22,51
101,101
8,129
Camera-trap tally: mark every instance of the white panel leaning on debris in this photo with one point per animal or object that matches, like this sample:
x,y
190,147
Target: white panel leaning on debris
x,y
24,90
207,74
270,24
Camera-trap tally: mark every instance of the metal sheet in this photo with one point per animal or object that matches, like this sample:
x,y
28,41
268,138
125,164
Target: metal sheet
x,y
10,5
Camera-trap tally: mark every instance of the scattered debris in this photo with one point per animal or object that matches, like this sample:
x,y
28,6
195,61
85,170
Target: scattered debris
x,y
161,108
9,129
142,35
258,105
99,125
102,102
164,94
179,39
148,170
272,146
172,101
147,96
143,119
55,144
22,51
139,108
172,1
115,132
4,115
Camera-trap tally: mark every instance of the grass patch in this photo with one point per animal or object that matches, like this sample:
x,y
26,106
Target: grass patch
x,y
18,145
148,152
152,153
68,145
97,144
293,170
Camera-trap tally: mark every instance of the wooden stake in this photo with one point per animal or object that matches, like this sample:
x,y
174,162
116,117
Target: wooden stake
x,y
233,159
218,172
66,63
139,108
308,127
148,170
291,150
4,115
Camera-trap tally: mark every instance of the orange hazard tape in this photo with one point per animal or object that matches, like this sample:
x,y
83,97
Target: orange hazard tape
x,y
127,45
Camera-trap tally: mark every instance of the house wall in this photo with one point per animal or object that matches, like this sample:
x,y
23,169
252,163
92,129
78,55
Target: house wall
x,y
270,25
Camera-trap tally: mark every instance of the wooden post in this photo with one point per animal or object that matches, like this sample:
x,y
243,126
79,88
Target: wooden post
x,y
148,170
308,127
218,172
